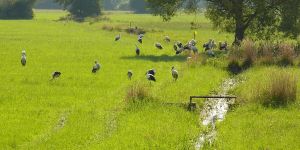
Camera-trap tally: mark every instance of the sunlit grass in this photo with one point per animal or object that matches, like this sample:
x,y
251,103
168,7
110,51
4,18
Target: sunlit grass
x,y
81,110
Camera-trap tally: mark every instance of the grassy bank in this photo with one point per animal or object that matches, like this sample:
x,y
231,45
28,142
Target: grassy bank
x,y
251,125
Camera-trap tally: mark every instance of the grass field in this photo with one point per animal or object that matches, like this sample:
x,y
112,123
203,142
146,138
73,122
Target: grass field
x,y
252,126
81,110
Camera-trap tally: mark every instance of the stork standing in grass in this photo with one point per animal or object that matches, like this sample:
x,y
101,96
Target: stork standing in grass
x,y
96,67
192,42
137,50
118,37
194,49
151,71
55,75
158,45
23,58
167,39
151,77
174,73
140,38
129,74
223,46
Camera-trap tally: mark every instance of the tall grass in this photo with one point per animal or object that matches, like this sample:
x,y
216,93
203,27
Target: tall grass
x,y
249,53
265,53
137,92
234,66
286,56
279,90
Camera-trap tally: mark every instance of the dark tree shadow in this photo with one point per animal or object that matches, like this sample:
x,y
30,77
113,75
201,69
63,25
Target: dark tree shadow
x,y
162,58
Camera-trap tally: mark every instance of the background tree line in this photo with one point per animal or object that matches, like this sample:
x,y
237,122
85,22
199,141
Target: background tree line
x,y
16,9
261,19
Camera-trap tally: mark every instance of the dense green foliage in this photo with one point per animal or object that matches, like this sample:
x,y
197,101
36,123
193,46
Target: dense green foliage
x,y
46,4
116,4
138,6
290,23
19,9
81,8
261,19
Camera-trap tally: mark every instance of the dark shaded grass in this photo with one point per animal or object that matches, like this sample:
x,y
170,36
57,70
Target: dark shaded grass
x,y
153,58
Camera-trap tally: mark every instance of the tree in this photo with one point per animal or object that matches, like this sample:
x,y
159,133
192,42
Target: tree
x,y
116,4
19,9
46,4
290,18
252,17
81,8
139,6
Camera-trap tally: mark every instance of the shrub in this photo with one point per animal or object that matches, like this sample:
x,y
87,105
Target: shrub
x,y
135,30
138,6
19,9
194,60
266,54
234,66
137,92
81,8
286,55
249,53
279,90
297,48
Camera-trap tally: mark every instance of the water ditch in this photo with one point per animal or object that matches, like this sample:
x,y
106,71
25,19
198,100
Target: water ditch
x,y
214,110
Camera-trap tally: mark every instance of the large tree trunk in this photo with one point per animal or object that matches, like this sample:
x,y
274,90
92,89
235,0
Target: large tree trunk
x,y
239,34
239,23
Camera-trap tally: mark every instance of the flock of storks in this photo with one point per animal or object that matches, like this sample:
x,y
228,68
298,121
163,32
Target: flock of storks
x,y
178,48
150,74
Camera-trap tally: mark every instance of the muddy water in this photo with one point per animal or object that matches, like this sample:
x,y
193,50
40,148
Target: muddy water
x,y
214,110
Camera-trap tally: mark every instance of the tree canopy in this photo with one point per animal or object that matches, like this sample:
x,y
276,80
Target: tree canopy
x,y
261,18
16,9
116,4
81,8
138,6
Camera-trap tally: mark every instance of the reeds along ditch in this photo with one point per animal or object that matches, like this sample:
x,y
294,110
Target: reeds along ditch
x,y
261,53
280,89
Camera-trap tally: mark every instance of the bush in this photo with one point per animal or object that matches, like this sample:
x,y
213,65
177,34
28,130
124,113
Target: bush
x,y
280,89
138,6
137,92
266,54
286,55
234,66
85,8
19,9
193,60
249,54
81,8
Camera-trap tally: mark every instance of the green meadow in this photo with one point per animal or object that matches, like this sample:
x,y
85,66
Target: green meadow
x,y
81,110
